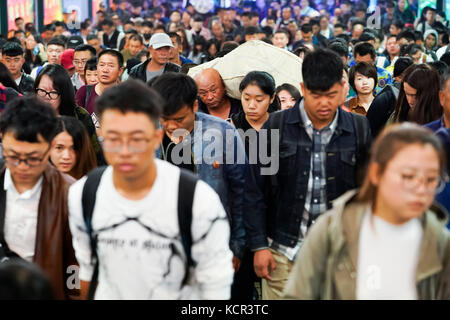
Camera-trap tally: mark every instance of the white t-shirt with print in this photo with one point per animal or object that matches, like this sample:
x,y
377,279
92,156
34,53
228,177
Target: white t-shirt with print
x,y
387,259
142,258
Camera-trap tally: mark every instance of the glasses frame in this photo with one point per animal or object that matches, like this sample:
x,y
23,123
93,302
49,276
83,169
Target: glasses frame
x,y
117,149
26,160
48,94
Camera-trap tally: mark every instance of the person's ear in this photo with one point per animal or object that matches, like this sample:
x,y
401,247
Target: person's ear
x,y
195,105
374,173
302,87
121,70
159,134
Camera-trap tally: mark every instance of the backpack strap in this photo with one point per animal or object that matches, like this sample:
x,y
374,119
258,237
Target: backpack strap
x,y
89,88
88,198
186,189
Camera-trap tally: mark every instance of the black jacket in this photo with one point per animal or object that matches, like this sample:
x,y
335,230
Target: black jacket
x,y
276,212
26,84
139,71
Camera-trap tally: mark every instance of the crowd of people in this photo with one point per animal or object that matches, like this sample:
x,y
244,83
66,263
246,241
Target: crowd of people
x,y
126,178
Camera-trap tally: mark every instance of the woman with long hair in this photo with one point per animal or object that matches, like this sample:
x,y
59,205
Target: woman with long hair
x,y
418,99
386,241
72,151
34,50
288,95
53,85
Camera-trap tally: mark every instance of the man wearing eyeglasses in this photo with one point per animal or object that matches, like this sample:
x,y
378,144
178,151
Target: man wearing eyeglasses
x,y
33,196
81,55
134,219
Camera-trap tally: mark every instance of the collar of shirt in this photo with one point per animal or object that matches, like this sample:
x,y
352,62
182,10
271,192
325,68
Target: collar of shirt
x,y
308,123
8,185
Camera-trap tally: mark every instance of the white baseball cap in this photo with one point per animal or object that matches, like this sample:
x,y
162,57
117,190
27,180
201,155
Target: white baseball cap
x,y
159,40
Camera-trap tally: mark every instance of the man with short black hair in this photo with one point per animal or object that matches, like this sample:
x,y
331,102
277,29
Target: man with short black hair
x,y
160,47
109,70
34,195
81,55
321,152
94,41
135,44
13,58
280,39
182,124
55,48
157,232
111,36
175,55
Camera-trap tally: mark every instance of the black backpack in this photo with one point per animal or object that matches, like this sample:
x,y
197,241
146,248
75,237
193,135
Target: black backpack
x,y
186,189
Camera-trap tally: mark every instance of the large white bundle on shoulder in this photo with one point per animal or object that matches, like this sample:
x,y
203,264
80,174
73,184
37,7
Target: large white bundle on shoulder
x,y
255,55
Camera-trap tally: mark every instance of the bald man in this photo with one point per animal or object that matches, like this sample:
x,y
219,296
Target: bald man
x,y
212,95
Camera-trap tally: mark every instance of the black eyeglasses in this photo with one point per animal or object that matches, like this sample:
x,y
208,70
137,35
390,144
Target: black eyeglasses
x,y
31,161
52,95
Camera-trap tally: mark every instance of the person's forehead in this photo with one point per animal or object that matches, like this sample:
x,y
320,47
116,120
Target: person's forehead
x,y
107,58
55,47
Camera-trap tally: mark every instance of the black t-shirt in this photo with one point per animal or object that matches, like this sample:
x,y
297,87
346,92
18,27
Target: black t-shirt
x,y
167,146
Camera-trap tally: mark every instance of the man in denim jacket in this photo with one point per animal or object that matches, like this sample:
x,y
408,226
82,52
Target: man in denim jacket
x,y
321,148
206,145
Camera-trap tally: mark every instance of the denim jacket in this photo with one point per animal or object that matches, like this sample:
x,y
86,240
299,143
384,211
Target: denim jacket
x,y
219,157
274,207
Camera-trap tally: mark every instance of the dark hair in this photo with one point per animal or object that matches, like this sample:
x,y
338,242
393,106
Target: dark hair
x,y
321,69
147,24
407,34
86,159
364,68
357,21
440,66
137,37
62,84
418,35
176,36
301,49
84,25
57,41
18,18
266,83
364,48
113,53
91,64
92,36
293,91
23,280
6,78
306,28
367,36
427,108
183,85
12,49
108,22
412,49
27,118
398,24
186,67
339,25
199,41
131,96
444,78
445,58
86,47
339,48
401,65
250,30
286,32
388,143
59,24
